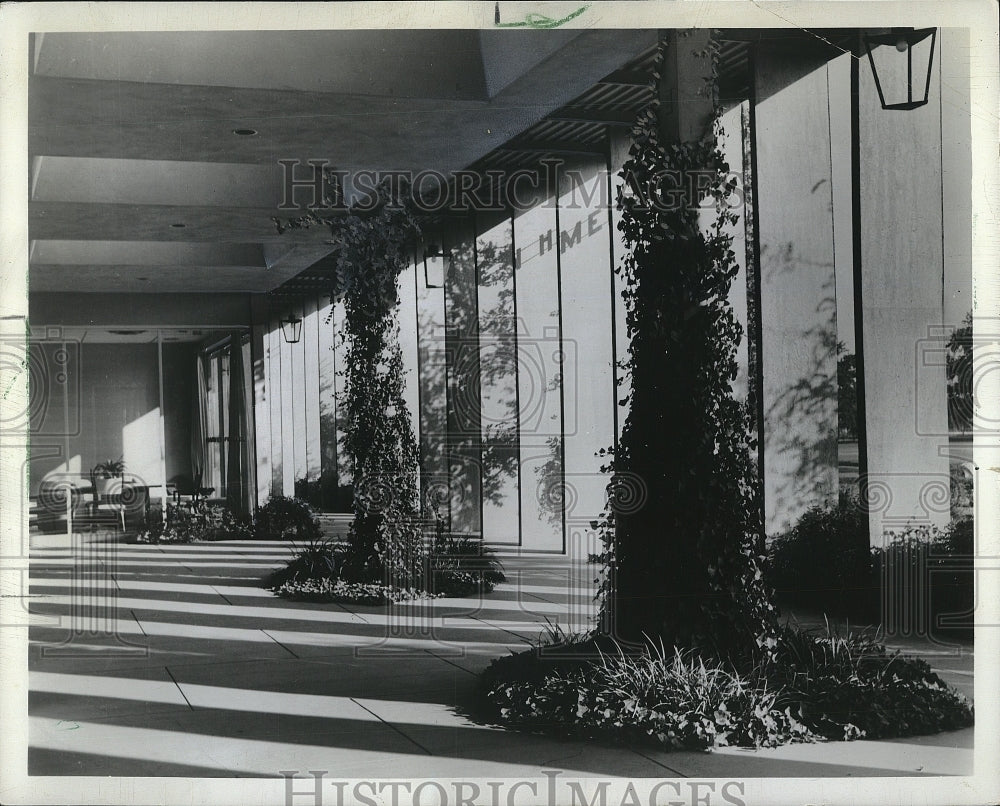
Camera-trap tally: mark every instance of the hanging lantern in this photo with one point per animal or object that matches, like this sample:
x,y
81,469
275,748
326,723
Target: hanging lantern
x,y
901,66
291,328
434,260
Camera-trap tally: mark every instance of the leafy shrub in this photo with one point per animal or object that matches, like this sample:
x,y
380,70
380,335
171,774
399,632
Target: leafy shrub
x,y
200,521
824,561
829,687
325,493
847,687
959,363
940,561
961,482
283,518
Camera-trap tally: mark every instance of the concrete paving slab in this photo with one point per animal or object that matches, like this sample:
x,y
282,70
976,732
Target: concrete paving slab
x,y
471,663
264,684
419,680
533,753
737,763
68,694
63,651
902,756
233,744
46,761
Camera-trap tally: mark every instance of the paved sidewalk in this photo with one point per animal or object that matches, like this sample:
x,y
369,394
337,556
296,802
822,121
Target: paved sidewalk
x,y
172,661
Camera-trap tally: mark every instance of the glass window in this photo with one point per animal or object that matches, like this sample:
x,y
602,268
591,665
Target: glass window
x,y
540,418
498,375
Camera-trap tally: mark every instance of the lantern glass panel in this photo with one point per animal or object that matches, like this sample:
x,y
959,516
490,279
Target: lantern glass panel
x,y
434,271
922,54
890,66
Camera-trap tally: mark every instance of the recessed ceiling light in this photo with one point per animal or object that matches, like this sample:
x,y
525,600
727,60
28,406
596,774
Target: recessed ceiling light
x,y
178,226
245,132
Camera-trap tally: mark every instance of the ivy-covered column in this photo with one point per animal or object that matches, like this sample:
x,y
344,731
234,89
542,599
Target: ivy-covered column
x,y
386,536
373,246
685,567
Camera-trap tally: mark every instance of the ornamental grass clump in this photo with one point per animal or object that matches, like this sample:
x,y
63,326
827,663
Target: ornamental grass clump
x,y
315,560
672,699
461,566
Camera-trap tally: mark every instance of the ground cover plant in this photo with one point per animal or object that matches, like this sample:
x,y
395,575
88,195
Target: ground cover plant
x,y
453,566
818,687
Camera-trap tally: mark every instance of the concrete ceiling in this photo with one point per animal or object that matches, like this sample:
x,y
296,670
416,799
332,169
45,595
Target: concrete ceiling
x,y
132,335
139,183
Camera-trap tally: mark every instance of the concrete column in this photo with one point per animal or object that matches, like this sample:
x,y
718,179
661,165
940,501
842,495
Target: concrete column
x,y
408,334
901,286
731,144
685,87
797,284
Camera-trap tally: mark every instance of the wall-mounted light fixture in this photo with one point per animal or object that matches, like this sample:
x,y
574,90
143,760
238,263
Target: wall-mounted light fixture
x,y
434,265
291,328
902,49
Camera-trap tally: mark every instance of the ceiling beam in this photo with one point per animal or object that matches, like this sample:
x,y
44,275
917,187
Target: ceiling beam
x,y
628,78
614,119
555,147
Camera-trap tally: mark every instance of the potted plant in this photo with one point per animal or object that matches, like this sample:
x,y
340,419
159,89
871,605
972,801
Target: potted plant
x,y
104,472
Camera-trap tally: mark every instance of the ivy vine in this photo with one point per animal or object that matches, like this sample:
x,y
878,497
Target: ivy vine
x,y
686,566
